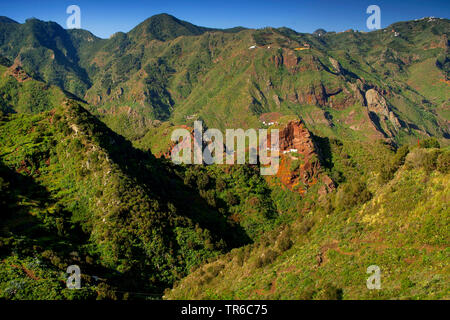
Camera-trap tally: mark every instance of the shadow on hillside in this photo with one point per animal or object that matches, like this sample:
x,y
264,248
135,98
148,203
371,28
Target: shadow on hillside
x,y
323,143
21,196
162,183
32,236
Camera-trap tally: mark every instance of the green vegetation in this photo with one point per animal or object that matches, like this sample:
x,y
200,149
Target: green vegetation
x,y
402,227
170,70
69,185
85,125
29,96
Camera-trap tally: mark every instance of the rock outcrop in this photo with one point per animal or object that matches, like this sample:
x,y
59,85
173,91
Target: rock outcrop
x,y
315,94
300,165
18,73
336,65
288,59
376,104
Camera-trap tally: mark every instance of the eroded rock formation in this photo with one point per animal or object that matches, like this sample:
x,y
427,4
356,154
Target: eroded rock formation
x,y
377,105
300,165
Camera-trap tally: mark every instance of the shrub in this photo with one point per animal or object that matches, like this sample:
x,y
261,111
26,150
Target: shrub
x,y
421,158
220,184
231,199
295,165
105,292
443,162
284,241
214,270
389,168
202,181
266,258
329,292
352,194
306,226
240,258
428,143
400,156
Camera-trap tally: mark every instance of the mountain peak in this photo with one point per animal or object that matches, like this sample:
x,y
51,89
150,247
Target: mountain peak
x,y
166,27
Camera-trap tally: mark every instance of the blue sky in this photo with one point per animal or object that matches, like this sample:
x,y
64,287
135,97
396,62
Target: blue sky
x,y
104,18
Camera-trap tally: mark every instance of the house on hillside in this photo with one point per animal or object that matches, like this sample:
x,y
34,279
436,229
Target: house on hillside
x,y
306,46
290,151
269,123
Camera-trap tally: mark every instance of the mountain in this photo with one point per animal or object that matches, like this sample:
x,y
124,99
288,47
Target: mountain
x,y
45,50
74,192
85,126
165,27
5,20
389,84
19,92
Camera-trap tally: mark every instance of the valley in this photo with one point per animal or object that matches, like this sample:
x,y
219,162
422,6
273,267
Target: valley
x,y
86,176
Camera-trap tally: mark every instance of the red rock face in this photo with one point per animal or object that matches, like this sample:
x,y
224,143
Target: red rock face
x,y
314,95
310,63
294,64
296,136
290,60
297,140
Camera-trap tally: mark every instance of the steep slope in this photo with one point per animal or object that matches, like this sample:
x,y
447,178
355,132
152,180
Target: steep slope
x,y
73,191
402,229
326,87
45,50
4,19
21,93
119,209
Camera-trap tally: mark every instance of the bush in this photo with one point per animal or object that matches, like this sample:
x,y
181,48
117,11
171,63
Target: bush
x,y
214,270
284,241
240,258
443,162
231,199
266,258
389,168
329,292
422,159
428,143
295,165
306,226
202,181
352,194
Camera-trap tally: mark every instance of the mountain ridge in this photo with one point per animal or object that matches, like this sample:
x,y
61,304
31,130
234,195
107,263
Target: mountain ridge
x,y
364,130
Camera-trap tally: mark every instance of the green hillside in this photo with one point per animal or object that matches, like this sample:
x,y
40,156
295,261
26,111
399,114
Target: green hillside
x,y
21,93
166,69
85,179
74,192
401,226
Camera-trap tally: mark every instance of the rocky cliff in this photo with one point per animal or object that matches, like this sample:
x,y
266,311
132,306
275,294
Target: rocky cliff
x,y
300,165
